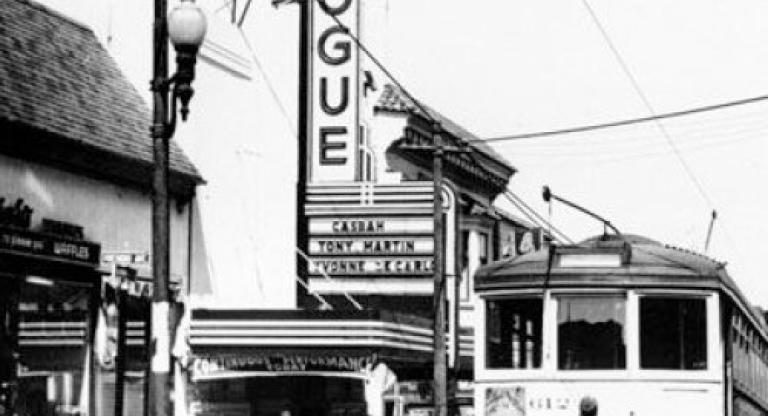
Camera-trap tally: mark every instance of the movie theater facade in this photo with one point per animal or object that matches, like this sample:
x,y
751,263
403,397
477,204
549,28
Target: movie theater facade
x,y
361,340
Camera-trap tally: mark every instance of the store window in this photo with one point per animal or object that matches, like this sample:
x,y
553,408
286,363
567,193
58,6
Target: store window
x,y
513,333
673,333
53,320
466,284
590,332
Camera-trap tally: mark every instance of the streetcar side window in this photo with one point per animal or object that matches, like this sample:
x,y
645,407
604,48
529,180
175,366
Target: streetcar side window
x,y
513,333
673,333
590,332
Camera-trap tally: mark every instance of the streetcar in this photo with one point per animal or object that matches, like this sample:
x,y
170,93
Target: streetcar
x,y
617,325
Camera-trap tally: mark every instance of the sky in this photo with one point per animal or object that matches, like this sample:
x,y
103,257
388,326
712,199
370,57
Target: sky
x,y
510,67
505,67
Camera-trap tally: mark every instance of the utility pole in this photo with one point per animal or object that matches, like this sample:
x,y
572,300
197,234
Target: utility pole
x,y
121,300
440,358
185,27
439,383
160,361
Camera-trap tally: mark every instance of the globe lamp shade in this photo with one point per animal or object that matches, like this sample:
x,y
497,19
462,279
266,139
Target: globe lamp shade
x,y
186,25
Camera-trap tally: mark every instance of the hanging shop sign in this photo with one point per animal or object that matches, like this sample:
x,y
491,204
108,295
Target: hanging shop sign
x,y
279,362
334,95
25,242
137,287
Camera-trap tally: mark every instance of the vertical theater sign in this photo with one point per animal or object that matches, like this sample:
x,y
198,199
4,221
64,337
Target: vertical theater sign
x,y
334,112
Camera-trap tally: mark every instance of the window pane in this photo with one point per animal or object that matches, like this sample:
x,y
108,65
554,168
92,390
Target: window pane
x,y
482,243
513,333
673,333
590,332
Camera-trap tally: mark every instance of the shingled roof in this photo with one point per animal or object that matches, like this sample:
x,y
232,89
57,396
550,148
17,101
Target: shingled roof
x,y
392,99
57,79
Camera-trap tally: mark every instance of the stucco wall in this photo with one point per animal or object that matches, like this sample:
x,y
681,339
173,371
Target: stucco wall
x,y
240,135
117,218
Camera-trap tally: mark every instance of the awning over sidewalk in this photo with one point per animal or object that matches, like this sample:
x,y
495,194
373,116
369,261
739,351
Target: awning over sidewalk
x,y
231,343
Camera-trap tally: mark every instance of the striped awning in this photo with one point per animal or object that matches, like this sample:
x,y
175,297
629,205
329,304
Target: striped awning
x,y
68,333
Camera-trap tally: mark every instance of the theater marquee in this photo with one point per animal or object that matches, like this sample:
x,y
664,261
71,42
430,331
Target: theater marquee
x,y
367,232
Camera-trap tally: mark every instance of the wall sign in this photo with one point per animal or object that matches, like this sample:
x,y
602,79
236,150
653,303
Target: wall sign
x,y
31,243
279,362
334,92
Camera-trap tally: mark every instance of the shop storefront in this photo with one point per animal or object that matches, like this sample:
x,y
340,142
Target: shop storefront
x,y
48,298
75,181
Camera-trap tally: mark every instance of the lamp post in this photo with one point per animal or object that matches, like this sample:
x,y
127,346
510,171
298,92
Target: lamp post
x,y
185,26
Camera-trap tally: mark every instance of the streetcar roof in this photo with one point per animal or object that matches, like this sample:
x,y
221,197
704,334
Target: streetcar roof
x,y
639,262
636,260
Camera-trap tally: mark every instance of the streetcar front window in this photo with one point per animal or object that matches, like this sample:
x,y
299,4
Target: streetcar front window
x,y
673,333
590,332
513,333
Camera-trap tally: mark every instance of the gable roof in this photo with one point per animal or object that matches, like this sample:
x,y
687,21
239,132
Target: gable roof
x,y
393,100
57,79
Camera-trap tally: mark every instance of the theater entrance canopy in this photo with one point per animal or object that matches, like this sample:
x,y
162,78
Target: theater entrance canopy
x,y
243,343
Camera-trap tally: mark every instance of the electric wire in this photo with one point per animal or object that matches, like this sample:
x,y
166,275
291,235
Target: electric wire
x,y
376,62
542,222
631,154
526,214
635,84
416,102
750,123
655,117
290,125
626,122
686,167
273,92
245,12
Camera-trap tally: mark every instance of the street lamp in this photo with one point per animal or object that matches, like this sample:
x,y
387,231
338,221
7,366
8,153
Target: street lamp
x,y
186,26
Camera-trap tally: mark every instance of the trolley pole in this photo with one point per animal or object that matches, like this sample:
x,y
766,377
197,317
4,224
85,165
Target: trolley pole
x,y
440,373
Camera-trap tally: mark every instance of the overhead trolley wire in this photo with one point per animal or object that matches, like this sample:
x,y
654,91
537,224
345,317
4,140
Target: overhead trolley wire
x,y
515,200
541,221
647,103
651,110
626,122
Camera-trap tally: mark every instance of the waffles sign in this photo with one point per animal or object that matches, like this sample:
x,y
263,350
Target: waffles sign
x,y
334,90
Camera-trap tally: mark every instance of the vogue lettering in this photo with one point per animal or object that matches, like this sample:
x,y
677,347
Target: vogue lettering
x,y
336,83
